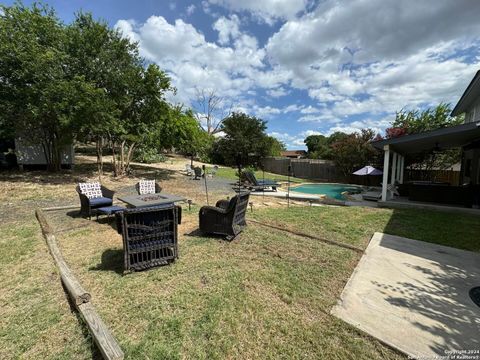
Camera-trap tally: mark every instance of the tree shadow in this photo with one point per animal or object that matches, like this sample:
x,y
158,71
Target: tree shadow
x,y
112,260
80,173
434,283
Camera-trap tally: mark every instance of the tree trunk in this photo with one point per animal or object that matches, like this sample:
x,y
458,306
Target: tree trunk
x,y
99,144
129,157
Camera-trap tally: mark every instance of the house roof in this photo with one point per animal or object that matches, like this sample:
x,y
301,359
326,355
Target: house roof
x,y
293,152
471,93
445,138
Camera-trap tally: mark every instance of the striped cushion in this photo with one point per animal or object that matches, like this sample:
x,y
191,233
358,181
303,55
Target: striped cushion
x,y
91,190
147,187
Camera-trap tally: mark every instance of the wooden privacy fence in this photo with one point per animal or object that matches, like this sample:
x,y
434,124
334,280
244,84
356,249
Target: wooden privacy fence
x,y
323,170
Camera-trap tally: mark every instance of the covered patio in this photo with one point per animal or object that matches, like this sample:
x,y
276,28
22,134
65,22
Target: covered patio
x,y
463,136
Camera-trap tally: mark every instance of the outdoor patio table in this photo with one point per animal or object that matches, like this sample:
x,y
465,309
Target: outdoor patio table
x,y
147,200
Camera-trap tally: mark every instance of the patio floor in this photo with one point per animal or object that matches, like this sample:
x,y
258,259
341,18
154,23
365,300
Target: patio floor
x,y
413,296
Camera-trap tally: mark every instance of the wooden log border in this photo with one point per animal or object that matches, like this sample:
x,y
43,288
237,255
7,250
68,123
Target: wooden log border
x,y
102,336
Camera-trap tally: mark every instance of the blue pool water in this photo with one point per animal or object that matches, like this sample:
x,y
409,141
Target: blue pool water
x,y
331,190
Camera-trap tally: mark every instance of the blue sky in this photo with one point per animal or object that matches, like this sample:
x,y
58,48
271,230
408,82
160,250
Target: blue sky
x,y
305,66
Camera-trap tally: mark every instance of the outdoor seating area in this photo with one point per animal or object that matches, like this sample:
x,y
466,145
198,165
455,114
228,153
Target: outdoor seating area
x,y
149,223
246,180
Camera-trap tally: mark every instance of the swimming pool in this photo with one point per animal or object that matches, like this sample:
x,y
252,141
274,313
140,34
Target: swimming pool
x,y
331,190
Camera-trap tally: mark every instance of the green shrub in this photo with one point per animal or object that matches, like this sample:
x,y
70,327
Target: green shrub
x,y
148,156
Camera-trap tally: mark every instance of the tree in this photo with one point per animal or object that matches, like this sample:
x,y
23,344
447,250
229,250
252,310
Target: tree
x,y
244,140
273,146
211,110
414,121
39,97
352,151
130,93
318,147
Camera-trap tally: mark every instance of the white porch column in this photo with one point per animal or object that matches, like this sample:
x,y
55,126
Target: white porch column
x,y
386,164
402,168
394,168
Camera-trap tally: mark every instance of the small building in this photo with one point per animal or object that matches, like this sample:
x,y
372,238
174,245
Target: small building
x,y
294,154
33,156
465,136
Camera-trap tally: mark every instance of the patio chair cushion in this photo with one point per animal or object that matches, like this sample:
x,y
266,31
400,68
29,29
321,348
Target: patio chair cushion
x,y
91,190
146,187
100,201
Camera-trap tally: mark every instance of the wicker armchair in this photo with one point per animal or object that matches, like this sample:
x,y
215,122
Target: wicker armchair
x,y
149,236
226,218
158,188
88,205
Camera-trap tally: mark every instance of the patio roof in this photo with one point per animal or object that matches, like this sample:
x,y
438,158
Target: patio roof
x,y
446,138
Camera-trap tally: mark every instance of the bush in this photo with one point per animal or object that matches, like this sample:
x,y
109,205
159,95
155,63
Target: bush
x,y
148,156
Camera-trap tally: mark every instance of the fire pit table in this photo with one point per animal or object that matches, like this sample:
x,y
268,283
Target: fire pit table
x,y
139,201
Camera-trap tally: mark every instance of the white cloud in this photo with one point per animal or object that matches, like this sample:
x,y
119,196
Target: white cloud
x,y
192,61
228,29
310,110
267,11
278,92
392,54
190,9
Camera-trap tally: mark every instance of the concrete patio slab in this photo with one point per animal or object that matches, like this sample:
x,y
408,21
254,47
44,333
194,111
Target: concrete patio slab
x,y
413,296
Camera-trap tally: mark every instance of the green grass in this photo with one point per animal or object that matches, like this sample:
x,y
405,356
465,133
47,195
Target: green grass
x,y
35,319
231,173
355,225
266,295
263,296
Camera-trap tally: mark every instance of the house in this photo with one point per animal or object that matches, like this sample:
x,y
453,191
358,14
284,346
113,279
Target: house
x,y
294,154
465,136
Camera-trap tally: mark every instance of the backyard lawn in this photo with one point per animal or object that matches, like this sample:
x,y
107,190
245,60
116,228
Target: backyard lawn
x,y
267,294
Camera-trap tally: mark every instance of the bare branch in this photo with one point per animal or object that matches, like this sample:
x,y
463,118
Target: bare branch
x,y
210,110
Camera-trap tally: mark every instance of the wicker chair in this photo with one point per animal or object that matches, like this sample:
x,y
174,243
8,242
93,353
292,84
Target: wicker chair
x,y
158,188
226,218
150,236
88,205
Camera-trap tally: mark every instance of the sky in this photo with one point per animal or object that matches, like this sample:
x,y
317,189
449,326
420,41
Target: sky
x,y
305,66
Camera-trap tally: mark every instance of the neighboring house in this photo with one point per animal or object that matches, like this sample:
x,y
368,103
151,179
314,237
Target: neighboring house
x,y
33,156
465,136
294,154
